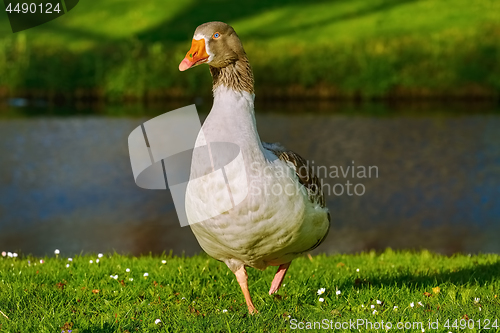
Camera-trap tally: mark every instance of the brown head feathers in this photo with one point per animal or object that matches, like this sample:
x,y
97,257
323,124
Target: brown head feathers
x,y
228,63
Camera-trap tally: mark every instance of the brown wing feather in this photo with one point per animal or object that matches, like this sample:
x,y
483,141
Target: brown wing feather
x,y
306,177
303,171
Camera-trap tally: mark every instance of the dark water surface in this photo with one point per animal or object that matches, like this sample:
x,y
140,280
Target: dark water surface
x,y
66,182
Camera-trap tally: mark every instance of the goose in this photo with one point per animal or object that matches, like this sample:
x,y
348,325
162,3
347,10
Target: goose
x,y
269,227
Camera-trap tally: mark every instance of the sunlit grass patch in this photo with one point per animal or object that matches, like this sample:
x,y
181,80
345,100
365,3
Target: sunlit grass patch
x,y
126,50
165,293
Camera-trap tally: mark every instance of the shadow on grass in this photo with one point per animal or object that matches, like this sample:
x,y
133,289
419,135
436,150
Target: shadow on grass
x,y
181,27
480,274
106,328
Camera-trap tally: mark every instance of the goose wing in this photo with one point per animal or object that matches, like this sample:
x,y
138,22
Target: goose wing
x,y
305,174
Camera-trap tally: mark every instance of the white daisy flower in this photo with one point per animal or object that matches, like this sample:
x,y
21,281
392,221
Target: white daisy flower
x,y
372,306
127,270
357,270
321,299
224,311
100,255
14,255
70,259
146,274
374,311
57,251
131,279
321,291
67,265
163,262
412,304
91,261
157,321
4,253
379,302
9,254
338,292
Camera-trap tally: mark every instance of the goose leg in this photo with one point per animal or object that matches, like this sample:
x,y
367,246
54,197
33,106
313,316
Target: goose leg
x,y
242,277
278,278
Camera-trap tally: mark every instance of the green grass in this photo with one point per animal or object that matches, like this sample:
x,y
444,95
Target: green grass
x,y
117,49
190,294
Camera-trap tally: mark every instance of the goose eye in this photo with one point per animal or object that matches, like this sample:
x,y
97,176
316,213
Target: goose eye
x,y
216,35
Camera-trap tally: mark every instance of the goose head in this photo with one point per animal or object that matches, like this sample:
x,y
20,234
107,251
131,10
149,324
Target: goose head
x,y
214,43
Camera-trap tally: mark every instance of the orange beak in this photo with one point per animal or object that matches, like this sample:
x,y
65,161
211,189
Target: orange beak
x,y
195,56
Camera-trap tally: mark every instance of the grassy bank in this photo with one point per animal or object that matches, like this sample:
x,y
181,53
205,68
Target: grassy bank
x,y
118,50
199,294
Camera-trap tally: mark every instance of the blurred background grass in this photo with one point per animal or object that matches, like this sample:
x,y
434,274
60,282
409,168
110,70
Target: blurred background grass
x,y
121,50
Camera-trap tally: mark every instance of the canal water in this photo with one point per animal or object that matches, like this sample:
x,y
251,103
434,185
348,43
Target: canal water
x,y
434,181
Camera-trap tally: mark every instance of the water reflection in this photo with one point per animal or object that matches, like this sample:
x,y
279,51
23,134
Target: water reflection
x,y
66,182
